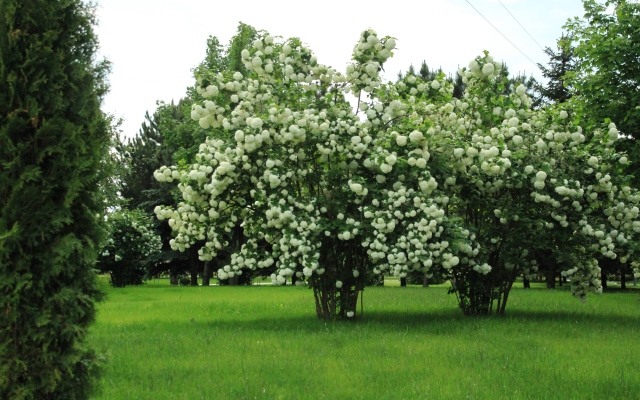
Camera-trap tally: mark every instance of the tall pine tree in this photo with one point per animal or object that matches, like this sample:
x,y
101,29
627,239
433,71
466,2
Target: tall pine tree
x,y
53,139
560,64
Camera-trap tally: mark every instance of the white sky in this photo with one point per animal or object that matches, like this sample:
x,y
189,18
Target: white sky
x,y
154,44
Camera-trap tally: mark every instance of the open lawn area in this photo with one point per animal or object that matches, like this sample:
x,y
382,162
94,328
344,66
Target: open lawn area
x,y
260,342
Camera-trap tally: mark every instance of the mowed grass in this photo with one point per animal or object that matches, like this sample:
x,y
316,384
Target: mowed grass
x,y
264,342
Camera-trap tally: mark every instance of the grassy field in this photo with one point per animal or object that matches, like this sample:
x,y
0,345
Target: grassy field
x,y
412,343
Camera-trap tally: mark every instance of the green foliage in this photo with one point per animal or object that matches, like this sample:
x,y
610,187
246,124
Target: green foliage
x,y
561,63
53,145
156,144
131,242
607,69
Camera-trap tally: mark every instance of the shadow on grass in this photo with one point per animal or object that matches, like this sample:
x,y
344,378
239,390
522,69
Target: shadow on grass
x,y
446,322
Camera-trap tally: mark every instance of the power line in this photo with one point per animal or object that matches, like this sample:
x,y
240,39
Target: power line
x,y
523,28
497,30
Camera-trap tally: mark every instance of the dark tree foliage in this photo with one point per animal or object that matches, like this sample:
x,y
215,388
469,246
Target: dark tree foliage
x,y
138,159
53,141
607,73
458,86
426,74
607,54
557,89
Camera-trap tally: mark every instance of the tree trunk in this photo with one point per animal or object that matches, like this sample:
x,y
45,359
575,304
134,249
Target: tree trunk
x,y
234,281
551,277
603,277
623,277
193,261
526,283
206,274
425,281
173,278
560,280
403,282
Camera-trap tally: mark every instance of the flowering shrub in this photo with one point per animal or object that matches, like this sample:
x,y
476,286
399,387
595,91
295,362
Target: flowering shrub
x,y
411,180
131,240
526,181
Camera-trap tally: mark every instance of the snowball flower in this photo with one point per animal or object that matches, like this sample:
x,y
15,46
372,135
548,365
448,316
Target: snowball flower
x,y
541,176
256,123
435,85
338,284
488,69
520,90
416,137
517,140
350,314
391,159
563,114
390,44
401,140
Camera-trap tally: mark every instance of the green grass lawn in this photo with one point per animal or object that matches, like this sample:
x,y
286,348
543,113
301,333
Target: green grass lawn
x,y
260,342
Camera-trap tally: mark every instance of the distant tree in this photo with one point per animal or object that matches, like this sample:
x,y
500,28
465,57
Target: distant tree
x,y
138,158
458,86
131,241
54,142
607,75
426,74
557,89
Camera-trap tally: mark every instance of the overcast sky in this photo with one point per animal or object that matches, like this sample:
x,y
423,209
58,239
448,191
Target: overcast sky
x,y
154,44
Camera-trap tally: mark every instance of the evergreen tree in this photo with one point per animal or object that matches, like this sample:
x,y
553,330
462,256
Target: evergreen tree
x,y
53,143
560,63
138,159
458,86
426,74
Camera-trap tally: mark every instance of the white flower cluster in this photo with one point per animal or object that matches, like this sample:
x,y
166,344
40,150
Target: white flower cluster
x,y
369,53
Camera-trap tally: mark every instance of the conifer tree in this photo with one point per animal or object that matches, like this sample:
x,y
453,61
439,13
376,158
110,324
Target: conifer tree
x,y
53,141
560,63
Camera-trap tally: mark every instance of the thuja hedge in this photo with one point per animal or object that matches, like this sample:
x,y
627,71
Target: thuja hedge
x,y
53,138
